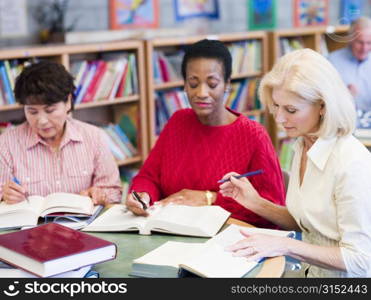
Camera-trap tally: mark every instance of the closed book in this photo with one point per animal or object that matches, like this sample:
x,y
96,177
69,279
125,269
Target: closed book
x,y
52,249
171,219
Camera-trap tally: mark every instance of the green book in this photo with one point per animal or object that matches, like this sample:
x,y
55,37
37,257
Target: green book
x,y
128,126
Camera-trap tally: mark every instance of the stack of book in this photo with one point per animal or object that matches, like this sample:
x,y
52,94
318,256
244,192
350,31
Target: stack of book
x,y
52,250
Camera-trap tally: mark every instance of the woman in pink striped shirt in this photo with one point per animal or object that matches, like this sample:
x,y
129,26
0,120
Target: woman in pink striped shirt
x,y
51,151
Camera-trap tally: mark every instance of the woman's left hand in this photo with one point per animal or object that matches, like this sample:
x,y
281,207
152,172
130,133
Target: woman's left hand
x,y
186,197
97,195
257,246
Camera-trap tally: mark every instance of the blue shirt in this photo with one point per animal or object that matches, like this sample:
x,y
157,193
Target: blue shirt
x,y
354,72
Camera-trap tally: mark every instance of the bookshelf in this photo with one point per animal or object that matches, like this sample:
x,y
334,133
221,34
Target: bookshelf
x,y
158,48
98,111
323,39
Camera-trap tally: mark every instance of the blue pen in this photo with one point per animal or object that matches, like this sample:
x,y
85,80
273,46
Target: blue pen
x,y
242,175
15,179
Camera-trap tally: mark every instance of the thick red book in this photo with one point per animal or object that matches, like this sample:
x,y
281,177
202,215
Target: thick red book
x,y
51,249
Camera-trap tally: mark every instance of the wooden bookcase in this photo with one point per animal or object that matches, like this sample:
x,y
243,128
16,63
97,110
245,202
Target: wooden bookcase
x,y
103,111
159,44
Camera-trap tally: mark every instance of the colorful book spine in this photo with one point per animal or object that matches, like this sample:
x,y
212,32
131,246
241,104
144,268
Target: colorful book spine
x,y
9,96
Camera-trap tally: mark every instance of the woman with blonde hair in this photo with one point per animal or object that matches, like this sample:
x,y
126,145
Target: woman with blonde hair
x,y
328,197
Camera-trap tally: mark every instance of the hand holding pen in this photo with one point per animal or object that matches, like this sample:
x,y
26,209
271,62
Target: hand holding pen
x,y
26,195
137,203
239,188
13,192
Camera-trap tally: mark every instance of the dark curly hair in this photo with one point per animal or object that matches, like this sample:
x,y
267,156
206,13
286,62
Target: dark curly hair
x,y
209,49
45,82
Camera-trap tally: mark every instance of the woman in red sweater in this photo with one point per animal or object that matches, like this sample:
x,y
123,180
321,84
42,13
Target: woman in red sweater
x,y
199,145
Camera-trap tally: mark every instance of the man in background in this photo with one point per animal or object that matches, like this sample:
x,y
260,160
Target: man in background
x,y
354,63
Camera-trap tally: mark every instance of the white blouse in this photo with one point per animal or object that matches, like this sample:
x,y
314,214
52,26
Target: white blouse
x,y
333,204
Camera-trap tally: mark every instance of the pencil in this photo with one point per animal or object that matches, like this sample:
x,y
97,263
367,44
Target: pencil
x,y
242,175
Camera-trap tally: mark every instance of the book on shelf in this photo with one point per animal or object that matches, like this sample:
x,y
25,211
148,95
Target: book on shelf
x,y
208,259
6,85
50,249
8,271
95,82
27,213
127,125
201,221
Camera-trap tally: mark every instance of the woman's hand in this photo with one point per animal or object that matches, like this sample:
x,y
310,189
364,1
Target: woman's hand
x,y
187,197
13,193
97,195
257,246
135,206
240,190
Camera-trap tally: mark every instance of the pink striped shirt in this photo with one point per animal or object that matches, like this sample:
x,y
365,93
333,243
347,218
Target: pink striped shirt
x,y
84,160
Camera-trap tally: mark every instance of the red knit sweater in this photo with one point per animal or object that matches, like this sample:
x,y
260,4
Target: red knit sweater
x,y
190,155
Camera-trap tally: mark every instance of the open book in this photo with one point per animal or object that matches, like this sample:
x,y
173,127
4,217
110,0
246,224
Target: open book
x,y
202,221
207,259
27,213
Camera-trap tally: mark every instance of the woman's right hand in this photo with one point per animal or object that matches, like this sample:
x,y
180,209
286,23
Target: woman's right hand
x,y
13,193
135,206
240,190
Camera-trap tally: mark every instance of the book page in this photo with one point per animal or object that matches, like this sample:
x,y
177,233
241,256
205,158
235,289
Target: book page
x,y
232,234
21,214
67,202
170,254
202,221
116,218
215,262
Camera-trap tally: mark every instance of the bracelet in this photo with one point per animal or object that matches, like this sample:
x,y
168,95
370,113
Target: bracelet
x,y
209,197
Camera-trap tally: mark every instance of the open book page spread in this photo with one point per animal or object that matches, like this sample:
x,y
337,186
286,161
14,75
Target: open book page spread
x,y
175,219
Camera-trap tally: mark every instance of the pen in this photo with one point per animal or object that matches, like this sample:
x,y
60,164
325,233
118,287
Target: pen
x,y
242,175
15,179
136,197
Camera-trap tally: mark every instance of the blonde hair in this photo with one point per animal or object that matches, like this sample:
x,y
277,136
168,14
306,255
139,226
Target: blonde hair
x,y
312,77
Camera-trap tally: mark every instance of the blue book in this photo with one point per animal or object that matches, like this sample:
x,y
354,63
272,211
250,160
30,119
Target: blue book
x,y
8,92
124,138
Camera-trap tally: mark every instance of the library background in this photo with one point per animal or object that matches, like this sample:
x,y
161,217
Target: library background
x,y
126,58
